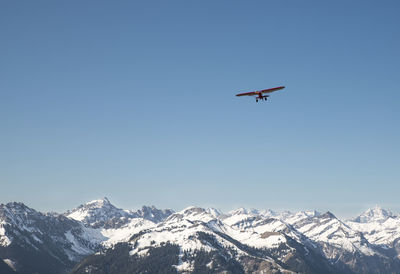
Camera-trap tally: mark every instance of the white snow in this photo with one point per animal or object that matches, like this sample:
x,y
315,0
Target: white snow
x,y
375,215
11,264
77,246
78,215
327,229
125,232
4,240
379,232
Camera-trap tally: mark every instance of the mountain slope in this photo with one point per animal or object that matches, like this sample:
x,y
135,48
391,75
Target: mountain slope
x,y
204,242
44,242
381,228
98,237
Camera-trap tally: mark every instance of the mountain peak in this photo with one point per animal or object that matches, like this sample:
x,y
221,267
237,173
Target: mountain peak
x,y
375,214
328,215
96,212
16,212
99,202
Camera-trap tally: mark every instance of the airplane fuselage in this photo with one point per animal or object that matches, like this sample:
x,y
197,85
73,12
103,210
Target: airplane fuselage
x,y
261,97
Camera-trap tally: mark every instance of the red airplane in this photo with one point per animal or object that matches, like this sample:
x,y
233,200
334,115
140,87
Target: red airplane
x,y
259,93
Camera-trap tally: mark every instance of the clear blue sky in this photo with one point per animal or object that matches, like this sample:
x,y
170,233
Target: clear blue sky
x,y
134,100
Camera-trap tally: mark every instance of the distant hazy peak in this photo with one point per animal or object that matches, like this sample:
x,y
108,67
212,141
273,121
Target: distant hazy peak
x,y
244,211
375,214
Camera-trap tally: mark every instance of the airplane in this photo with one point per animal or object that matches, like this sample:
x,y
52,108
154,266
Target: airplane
x,y
259,93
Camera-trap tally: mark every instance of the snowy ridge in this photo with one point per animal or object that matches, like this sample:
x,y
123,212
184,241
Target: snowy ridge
x,y
263,237
124,233
99,213
379,226
327,229
188,228
376,215
102,214
53,239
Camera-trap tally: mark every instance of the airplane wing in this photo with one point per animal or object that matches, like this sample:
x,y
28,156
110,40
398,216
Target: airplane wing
x,y
247,93
271,89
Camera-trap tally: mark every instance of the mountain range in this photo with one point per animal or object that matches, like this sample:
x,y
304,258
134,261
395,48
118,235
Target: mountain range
x,y
98,237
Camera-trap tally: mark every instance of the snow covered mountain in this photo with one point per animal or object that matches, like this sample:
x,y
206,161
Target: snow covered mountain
x,y
98,237
101,213
54,243
380,227
30,240
198,241
376,215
